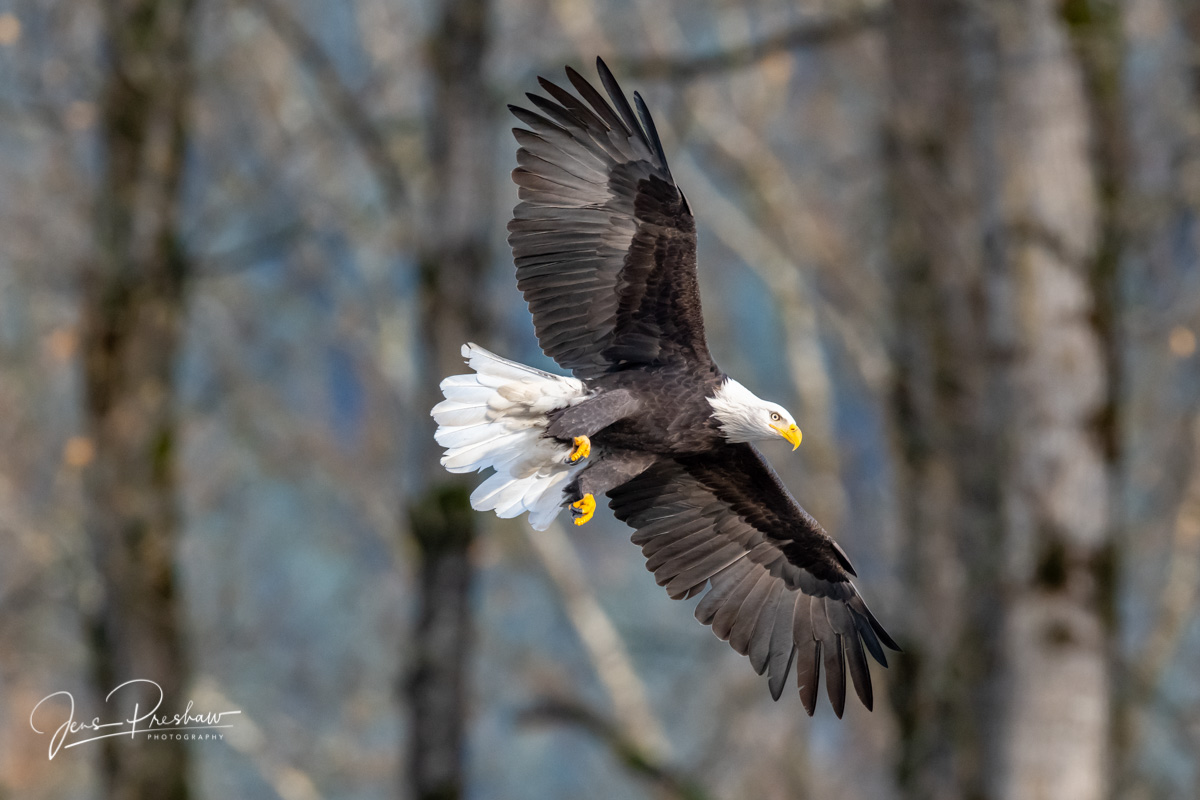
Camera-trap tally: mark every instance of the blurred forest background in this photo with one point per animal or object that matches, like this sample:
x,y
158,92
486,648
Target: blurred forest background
x,y
242,240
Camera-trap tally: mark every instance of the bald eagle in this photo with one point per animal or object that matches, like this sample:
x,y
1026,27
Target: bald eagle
x,y
605,251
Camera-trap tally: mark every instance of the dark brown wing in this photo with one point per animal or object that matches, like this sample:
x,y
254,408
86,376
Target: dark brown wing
x,y
604,242
780,587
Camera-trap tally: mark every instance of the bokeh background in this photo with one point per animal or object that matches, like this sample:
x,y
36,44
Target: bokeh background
x,y
242,240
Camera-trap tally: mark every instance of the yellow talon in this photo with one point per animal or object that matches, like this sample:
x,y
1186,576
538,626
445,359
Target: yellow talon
x,y
586,507
583,448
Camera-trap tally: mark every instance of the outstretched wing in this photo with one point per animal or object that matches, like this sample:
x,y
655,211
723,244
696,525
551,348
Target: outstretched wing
x,y
780,587
604,242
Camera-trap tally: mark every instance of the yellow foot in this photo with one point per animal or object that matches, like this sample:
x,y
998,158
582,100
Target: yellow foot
x,y
583,449
583,509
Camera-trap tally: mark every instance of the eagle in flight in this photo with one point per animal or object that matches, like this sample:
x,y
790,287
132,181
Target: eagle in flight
x,y
605,251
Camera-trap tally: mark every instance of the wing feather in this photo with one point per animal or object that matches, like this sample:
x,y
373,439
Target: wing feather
x,y
695,544
594,99
728,613
782,646
745,620
600,213
677,541
724,584
779,588
688,583
759,646
831,650
808,653
856,659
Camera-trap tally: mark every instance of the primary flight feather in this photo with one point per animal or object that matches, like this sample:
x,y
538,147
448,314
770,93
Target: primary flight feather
x,y
605,249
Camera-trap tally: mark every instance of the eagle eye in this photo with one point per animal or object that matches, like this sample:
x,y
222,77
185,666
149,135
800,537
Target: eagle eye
x,y
775,416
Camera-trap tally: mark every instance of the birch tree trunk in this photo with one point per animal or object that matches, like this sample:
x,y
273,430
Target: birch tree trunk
x,y
453,269
1001,384
133,303
1059,557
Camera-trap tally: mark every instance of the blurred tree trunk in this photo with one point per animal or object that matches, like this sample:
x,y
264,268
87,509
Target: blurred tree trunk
x,y
133,299
999,398
454,264
1059,555
947,404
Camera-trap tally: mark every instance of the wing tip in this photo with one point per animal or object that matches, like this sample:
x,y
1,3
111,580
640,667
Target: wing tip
x,y
881,632
808,698
602,67
620,101
652,130
777,676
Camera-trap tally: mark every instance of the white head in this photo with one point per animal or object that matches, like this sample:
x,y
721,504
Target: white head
x,y
745,417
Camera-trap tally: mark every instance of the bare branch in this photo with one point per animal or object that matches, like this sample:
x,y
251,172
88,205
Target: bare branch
x,y
670,782
816,33
343,102
631,709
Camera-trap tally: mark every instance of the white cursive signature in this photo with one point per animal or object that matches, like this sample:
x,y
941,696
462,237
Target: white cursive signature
x,y
185,720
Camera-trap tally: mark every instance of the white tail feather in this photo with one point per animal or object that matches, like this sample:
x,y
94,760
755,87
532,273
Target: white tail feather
x,y
496,418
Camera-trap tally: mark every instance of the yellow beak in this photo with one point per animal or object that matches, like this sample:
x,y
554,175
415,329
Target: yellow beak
x,y
792,434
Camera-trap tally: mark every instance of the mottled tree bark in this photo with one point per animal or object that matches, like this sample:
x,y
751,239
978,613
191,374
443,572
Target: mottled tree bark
x,y
1000,391
453,270
1058,559
948,409
133,301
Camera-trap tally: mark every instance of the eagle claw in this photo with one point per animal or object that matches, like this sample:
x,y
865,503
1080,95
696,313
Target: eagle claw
x,y
583,509
582,449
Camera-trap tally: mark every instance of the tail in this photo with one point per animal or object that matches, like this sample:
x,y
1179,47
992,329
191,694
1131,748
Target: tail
x,y
496,418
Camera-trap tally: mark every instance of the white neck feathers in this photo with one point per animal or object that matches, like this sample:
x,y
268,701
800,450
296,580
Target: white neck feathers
x,y
736,410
